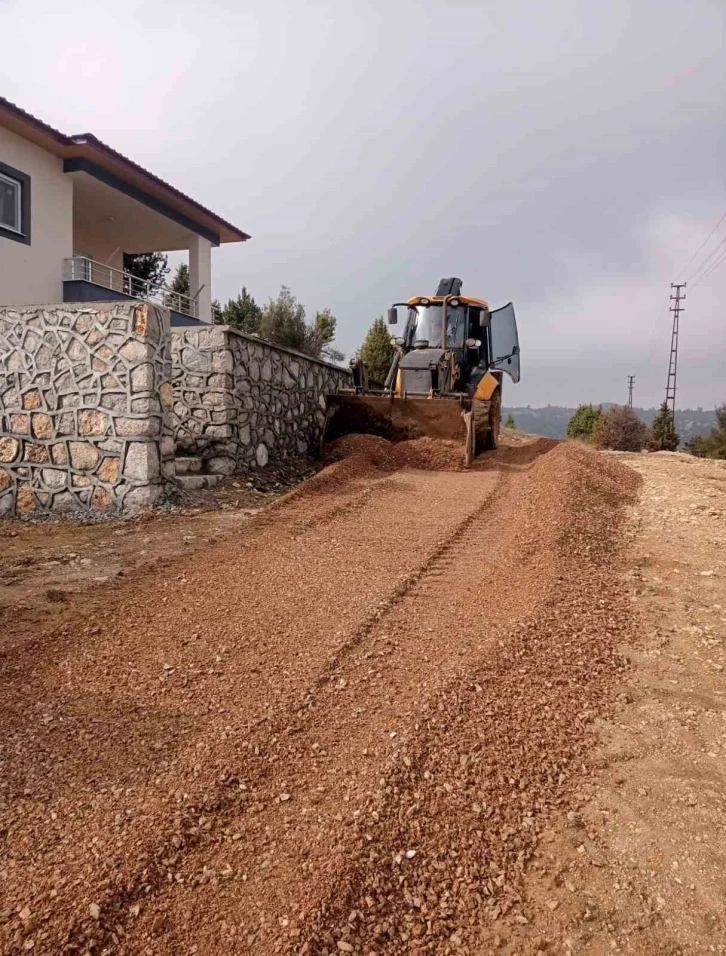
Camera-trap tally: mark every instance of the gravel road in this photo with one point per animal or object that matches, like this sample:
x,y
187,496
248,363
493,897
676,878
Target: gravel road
x,y
344,731
638,865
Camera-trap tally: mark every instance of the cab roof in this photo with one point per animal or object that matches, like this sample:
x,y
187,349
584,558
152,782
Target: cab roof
x,y
468,300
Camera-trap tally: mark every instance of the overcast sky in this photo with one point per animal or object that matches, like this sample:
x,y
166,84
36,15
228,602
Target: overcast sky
x,y
568,156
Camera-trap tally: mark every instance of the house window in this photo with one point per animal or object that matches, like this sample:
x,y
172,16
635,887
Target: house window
x,y
10,203
14,204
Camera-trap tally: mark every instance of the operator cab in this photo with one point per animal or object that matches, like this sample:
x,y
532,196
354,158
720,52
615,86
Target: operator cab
x,y
478,336
425,324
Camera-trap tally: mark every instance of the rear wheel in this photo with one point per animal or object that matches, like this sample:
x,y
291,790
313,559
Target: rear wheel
x,y
495,420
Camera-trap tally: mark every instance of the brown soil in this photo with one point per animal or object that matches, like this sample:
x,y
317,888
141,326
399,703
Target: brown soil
x,y
355,722
50,568
638,865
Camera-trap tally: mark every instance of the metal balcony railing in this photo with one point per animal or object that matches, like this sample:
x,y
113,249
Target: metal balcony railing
x,y
82,269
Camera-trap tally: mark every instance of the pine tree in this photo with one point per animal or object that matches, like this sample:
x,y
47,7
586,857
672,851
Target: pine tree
x,y
151,267
663,429
583,423
180,282
377,351
510,423
242,313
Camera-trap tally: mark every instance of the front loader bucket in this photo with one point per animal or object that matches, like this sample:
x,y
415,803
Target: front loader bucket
x,y
400,419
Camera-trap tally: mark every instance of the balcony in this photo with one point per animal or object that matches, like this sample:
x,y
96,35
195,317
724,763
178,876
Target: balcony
x,y
85,280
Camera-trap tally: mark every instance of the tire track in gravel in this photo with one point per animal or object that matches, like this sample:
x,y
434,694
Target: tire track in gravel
x,y
443,554
116,727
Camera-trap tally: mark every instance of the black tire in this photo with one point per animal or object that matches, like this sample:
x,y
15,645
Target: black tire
x,y
491,442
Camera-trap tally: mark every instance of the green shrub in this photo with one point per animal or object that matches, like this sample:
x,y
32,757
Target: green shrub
x,y
712,445
620,429
583,423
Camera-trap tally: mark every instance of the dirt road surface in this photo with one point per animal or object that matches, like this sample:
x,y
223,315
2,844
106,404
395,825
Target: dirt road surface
x,y
403,709
639,864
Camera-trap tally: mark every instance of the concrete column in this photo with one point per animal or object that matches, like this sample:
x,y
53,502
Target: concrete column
x,y
200,274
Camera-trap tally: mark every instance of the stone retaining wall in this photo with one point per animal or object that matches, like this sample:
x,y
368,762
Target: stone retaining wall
x,y
240,402
85,407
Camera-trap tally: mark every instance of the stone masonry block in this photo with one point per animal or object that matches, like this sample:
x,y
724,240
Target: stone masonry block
x,y
142,461
218,431
92,422
221,466
37,454
108,470
142,378
42,425
223,361
134,352
32,399
137,499
138,427
20,424
54,477
84,456
195,361
9,448
213,338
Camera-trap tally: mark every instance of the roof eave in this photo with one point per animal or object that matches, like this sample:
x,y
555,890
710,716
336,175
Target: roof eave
x,y
97,148
68,147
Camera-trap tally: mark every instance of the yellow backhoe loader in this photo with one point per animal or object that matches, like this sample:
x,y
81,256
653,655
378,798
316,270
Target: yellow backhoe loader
x,y
445,380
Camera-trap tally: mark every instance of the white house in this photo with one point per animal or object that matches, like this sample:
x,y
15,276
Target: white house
x,y
70,206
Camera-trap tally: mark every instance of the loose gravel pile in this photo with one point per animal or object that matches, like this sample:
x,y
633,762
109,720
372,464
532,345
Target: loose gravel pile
x,y
425,453
345,736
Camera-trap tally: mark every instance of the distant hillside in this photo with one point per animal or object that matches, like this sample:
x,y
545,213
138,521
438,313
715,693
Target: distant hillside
x,y
552,420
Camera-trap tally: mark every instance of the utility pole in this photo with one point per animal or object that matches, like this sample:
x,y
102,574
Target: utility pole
x,y
676,308
631,383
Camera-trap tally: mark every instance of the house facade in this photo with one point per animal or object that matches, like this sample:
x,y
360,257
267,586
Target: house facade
x,y
71,206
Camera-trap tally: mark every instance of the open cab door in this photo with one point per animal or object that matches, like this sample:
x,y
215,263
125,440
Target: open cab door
x,y
505,341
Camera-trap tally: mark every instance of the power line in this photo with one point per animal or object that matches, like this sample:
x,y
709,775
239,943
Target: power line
x,y
631,385
702,245
713,268
716,251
